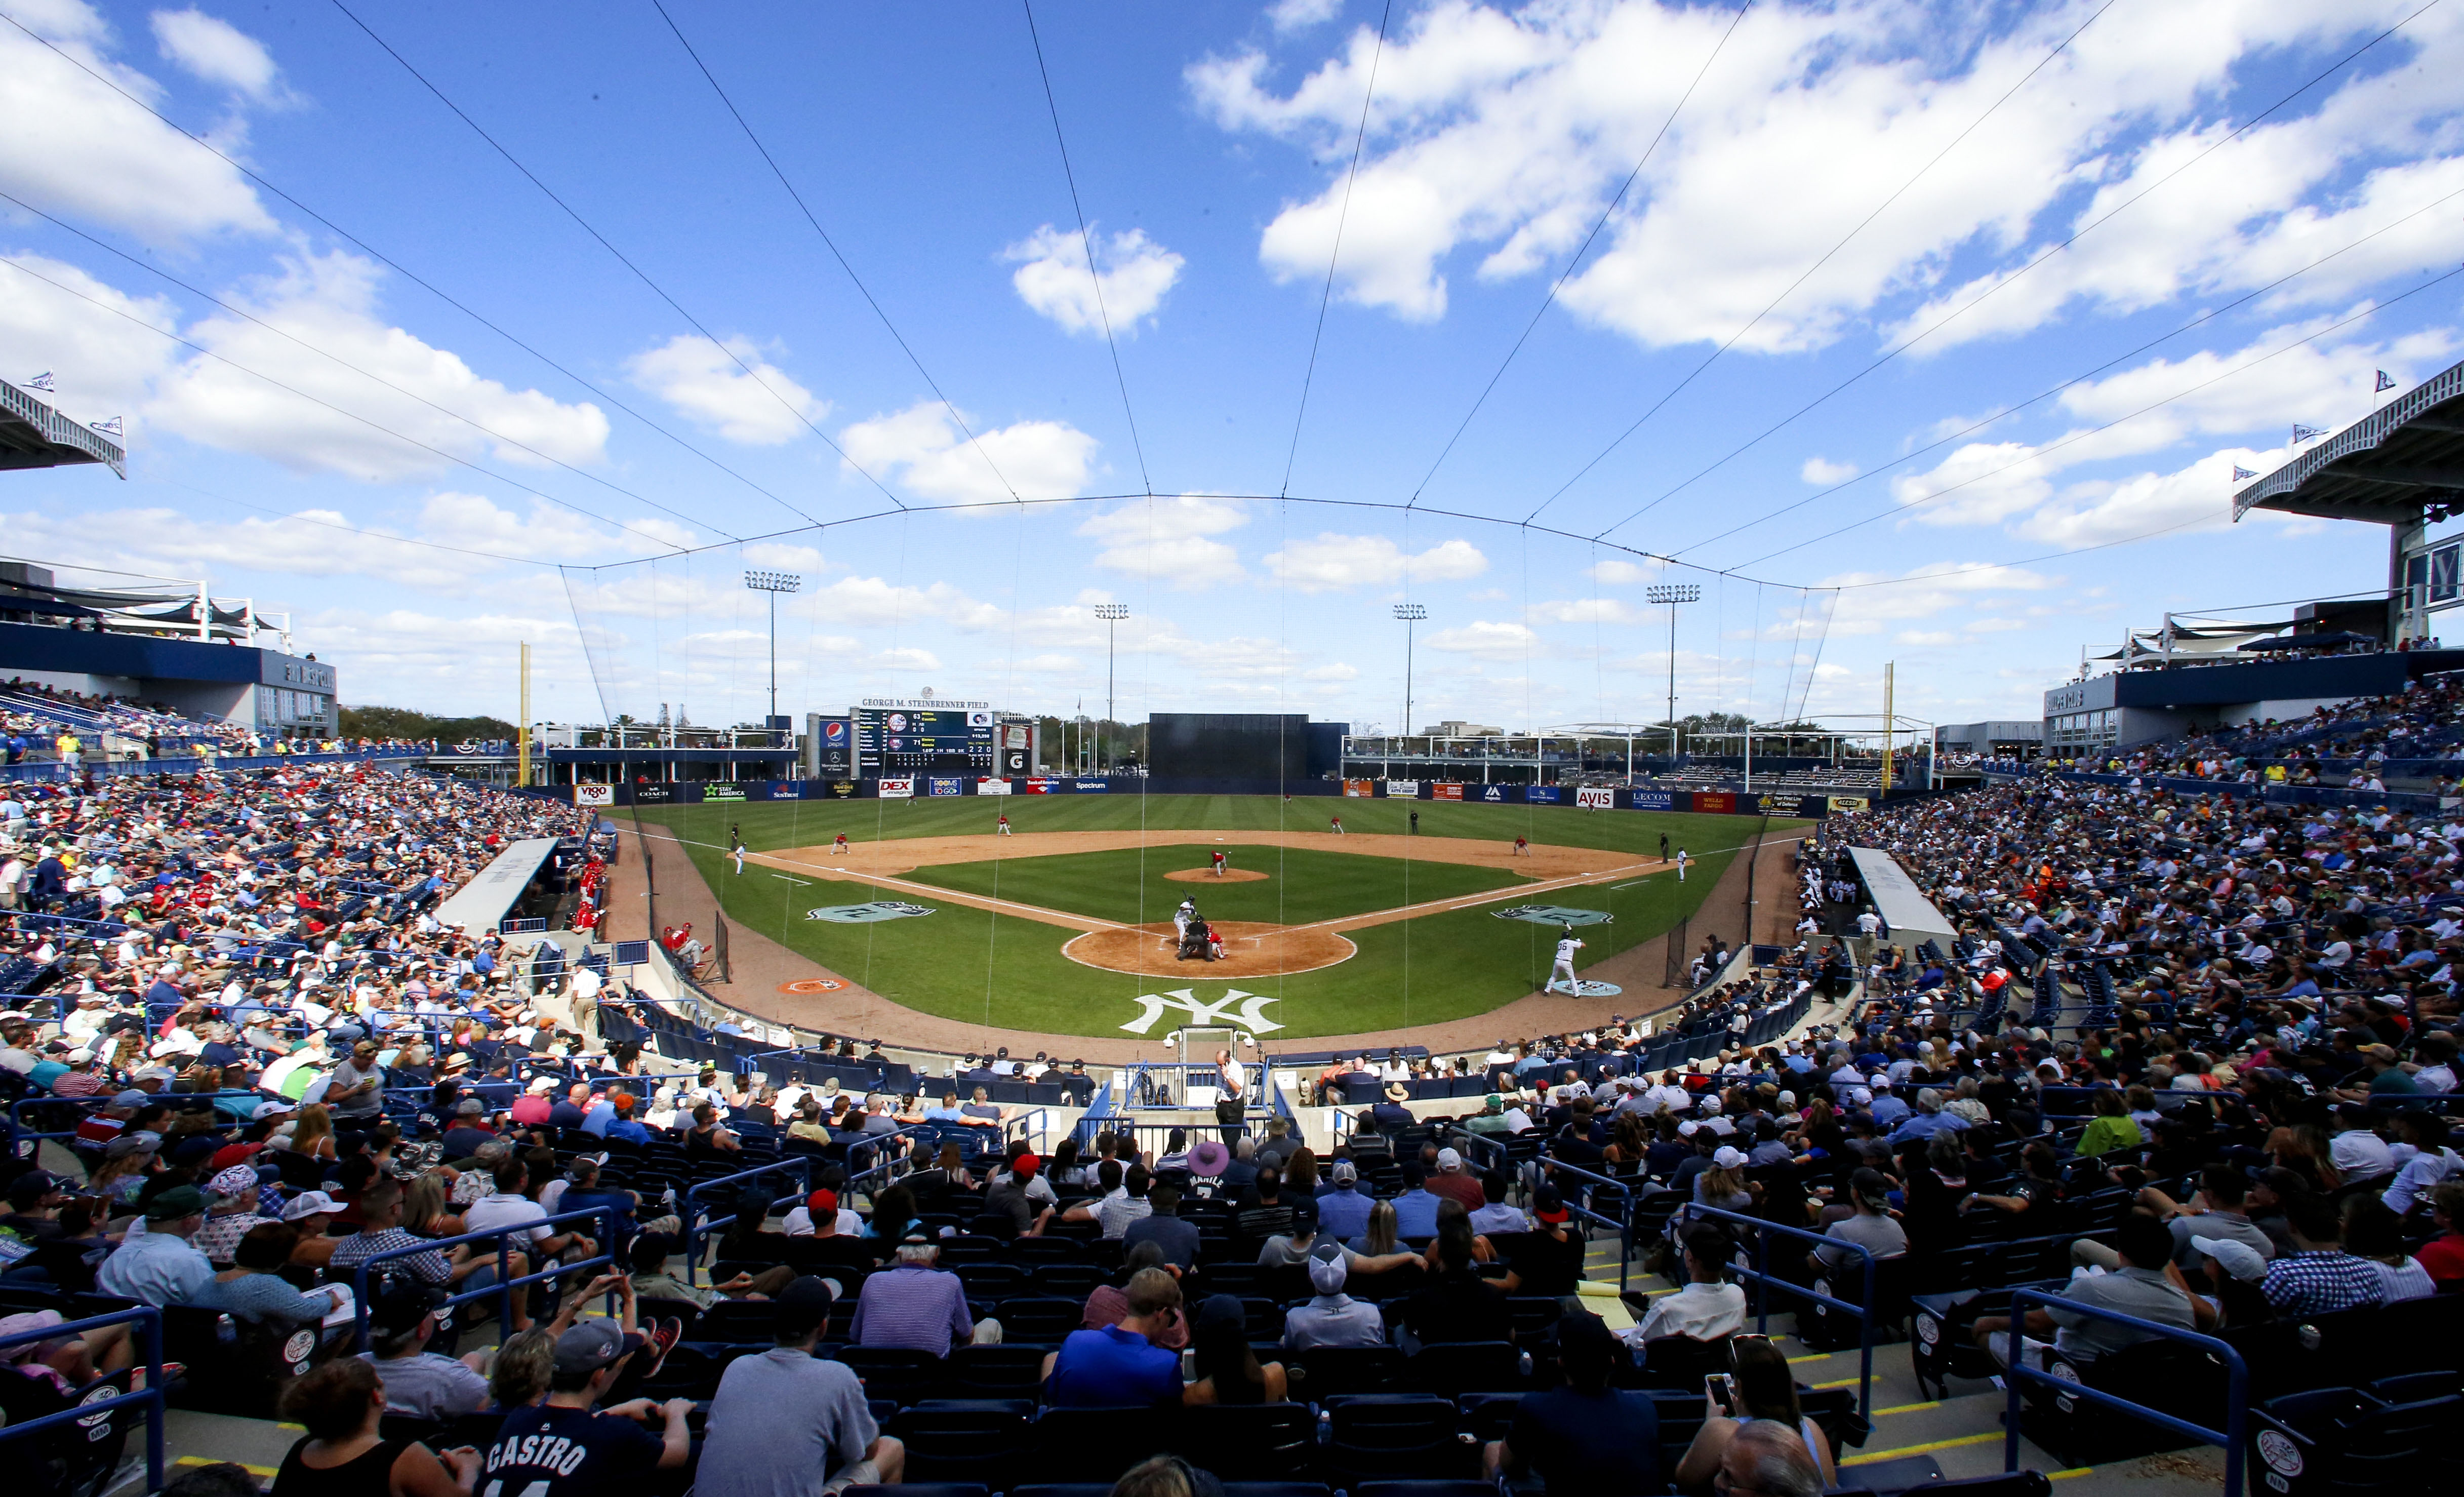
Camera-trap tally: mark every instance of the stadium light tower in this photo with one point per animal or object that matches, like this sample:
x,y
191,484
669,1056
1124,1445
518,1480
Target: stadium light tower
x,y
1672,595
774,584
1111,613
1411,613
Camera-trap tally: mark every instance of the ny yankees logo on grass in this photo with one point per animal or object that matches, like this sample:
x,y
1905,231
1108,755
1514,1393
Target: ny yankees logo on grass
x,y
1252,1009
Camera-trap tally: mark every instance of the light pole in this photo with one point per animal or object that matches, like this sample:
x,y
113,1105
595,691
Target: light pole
x,y
1411,613
1111,613
1672,595
774,584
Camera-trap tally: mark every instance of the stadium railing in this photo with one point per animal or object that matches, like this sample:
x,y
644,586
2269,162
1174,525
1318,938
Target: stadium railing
x,y
2020,1374
1763,1281
506,1283
149,1323
690,1208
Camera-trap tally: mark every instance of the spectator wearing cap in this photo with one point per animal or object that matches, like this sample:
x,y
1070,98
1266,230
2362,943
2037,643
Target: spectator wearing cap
x,y
1709,1307
1451,1183
2443,1256
1582,1439
403,1319
1343,1207
159,1266
787,1423
532,1108
1013,1196
624,1126
916,1306
230,1211
1548,1258
310,1212
1331,1318
35,1200
820,1215
2388,1077
1122,1365
2319,1277
567,1446
470,1130
2224,1281
1872,1228
2218,1209
2139,1287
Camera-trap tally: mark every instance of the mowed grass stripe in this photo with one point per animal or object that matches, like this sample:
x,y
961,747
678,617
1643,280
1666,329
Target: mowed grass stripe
x,y
1305,885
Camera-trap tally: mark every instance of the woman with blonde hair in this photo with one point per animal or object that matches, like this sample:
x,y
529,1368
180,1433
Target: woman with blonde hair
x,y
1377,1239
427,1206
312,1132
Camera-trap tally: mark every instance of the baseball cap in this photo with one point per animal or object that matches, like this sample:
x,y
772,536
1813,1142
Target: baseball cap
x,y
309,1203
822,1201
400,1303
132,1097
179,1201
232,1183
30,1188
1549,1204
127,1144
1449,1159
593,1344
271,1109
1728,1158
1024,1166
1344,1173
2237,1258
470,1106
1327,1268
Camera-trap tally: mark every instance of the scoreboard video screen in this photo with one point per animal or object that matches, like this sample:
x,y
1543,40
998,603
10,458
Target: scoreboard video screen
x,y
898,738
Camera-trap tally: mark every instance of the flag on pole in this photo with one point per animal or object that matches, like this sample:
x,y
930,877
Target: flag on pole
x,y
110,427
2387,382
2241,473
2302,434
40,382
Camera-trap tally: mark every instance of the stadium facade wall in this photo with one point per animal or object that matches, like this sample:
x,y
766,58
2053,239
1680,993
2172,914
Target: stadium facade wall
x,y
703,792
264,687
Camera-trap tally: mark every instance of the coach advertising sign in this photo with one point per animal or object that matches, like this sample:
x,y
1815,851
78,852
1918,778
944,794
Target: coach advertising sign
x,y
897,790
1361,789
945,785
1445,792
594,795
1714,801
653,795
1544,794
985,786
1595,798
1403,789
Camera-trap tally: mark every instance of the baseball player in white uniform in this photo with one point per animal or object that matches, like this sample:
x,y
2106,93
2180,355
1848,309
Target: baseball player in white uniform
x,y
1684,861
1566,945
1181,918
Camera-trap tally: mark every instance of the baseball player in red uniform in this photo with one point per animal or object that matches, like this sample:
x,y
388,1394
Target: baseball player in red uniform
x,y
1334,825
840,844
1220,864
1522,847
1002,827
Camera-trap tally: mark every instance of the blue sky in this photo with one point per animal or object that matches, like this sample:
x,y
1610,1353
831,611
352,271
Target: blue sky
x,y
405,479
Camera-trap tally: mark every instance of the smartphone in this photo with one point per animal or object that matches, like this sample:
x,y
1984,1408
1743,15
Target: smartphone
x,y
1723,1389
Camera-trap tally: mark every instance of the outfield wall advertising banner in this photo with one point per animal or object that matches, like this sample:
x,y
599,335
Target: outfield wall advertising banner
x,y
717,790
1361,789
835,790
655,795
1655,800
897,790
945,785
1848,802
991,787
1714,801
1091,786
1494,795
1403,789
1446,792
1544,794
1595,798
1043,786
594,795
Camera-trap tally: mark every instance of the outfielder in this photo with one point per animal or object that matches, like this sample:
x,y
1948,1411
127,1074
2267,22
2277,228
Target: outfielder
x,y
1566,945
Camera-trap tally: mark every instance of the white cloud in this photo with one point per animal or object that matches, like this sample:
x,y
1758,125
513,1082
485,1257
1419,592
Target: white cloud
x,y
1926,637
779,556
1620,572
1171,539
215,52
1055,281
1335,672
78,148
106,365
1584,610
1332,562
1295,16
923,447
1506,134
329,303
1487,639
1920,592
705,383
1822,473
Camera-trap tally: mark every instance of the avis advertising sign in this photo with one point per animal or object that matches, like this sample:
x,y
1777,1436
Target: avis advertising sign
x,y
1595,798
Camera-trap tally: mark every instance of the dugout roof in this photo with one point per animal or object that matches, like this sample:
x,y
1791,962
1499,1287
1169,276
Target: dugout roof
x,y
2405,459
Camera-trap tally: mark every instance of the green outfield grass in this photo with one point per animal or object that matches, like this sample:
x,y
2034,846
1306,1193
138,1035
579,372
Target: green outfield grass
x,y
1302,885
975,966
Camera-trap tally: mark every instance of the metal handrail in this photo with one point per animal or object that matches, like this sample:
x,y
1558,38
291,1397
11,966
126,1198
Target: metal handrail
x,y
2236,1383
1763,1280
505,1285
151,1395
690,1208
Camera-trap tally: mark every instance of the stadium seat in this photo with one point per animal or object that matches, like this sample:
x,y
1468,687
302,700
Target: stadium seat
x,y
1040,1317
1384,1436
1098,1445
1009,1371
1459,1488
1330,1371
902,1376
1266,1442
1451,1367
953,1439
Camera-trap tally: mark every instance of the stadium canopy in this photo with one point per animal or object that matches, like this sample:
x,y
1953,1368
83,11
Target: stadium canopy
x,y
34,435
2402,464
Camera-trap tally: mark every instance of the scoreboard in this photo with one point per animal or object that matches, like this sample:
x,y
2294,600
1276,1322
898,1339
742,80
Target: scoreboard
x,y
923,737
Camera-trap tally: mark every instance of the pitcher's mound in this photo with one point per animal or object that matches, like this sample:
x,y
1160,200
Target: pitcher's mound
x,y
1208,876
1250,950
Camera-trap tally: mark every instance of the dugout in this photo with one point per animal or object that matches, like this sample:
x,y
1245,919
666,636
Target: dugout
x,y
1269,746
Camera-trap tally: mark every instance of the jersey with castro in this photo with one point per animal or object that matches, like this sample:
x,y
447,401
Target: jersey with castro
x,y
546,1451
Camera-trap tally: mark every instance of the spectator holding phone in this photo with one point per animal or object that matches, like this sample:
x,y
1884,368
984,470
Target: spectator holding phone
x,y
1759,1388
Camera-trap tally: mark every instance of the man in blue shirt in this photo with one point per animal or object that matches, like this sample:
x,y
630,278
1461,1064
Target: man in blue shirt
x,y
1343,1211
1119,1365
1889,1112
1415,1210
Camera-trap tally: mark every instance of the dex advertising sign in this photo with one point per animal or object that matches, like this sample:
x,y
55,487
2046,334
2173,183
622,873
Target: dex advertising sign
x,y
1655,800
594,795
898,789
1446,792
1595,798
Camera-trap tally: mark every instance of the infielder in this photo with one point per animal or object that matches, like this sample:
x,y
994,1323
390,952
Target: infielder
x,y
1566,945
840,844
1001,828
1522,847
1334,825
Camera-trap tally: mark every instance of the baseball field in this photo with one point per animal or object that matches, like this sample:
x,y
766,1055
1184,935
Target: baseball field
x,y
1065,924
